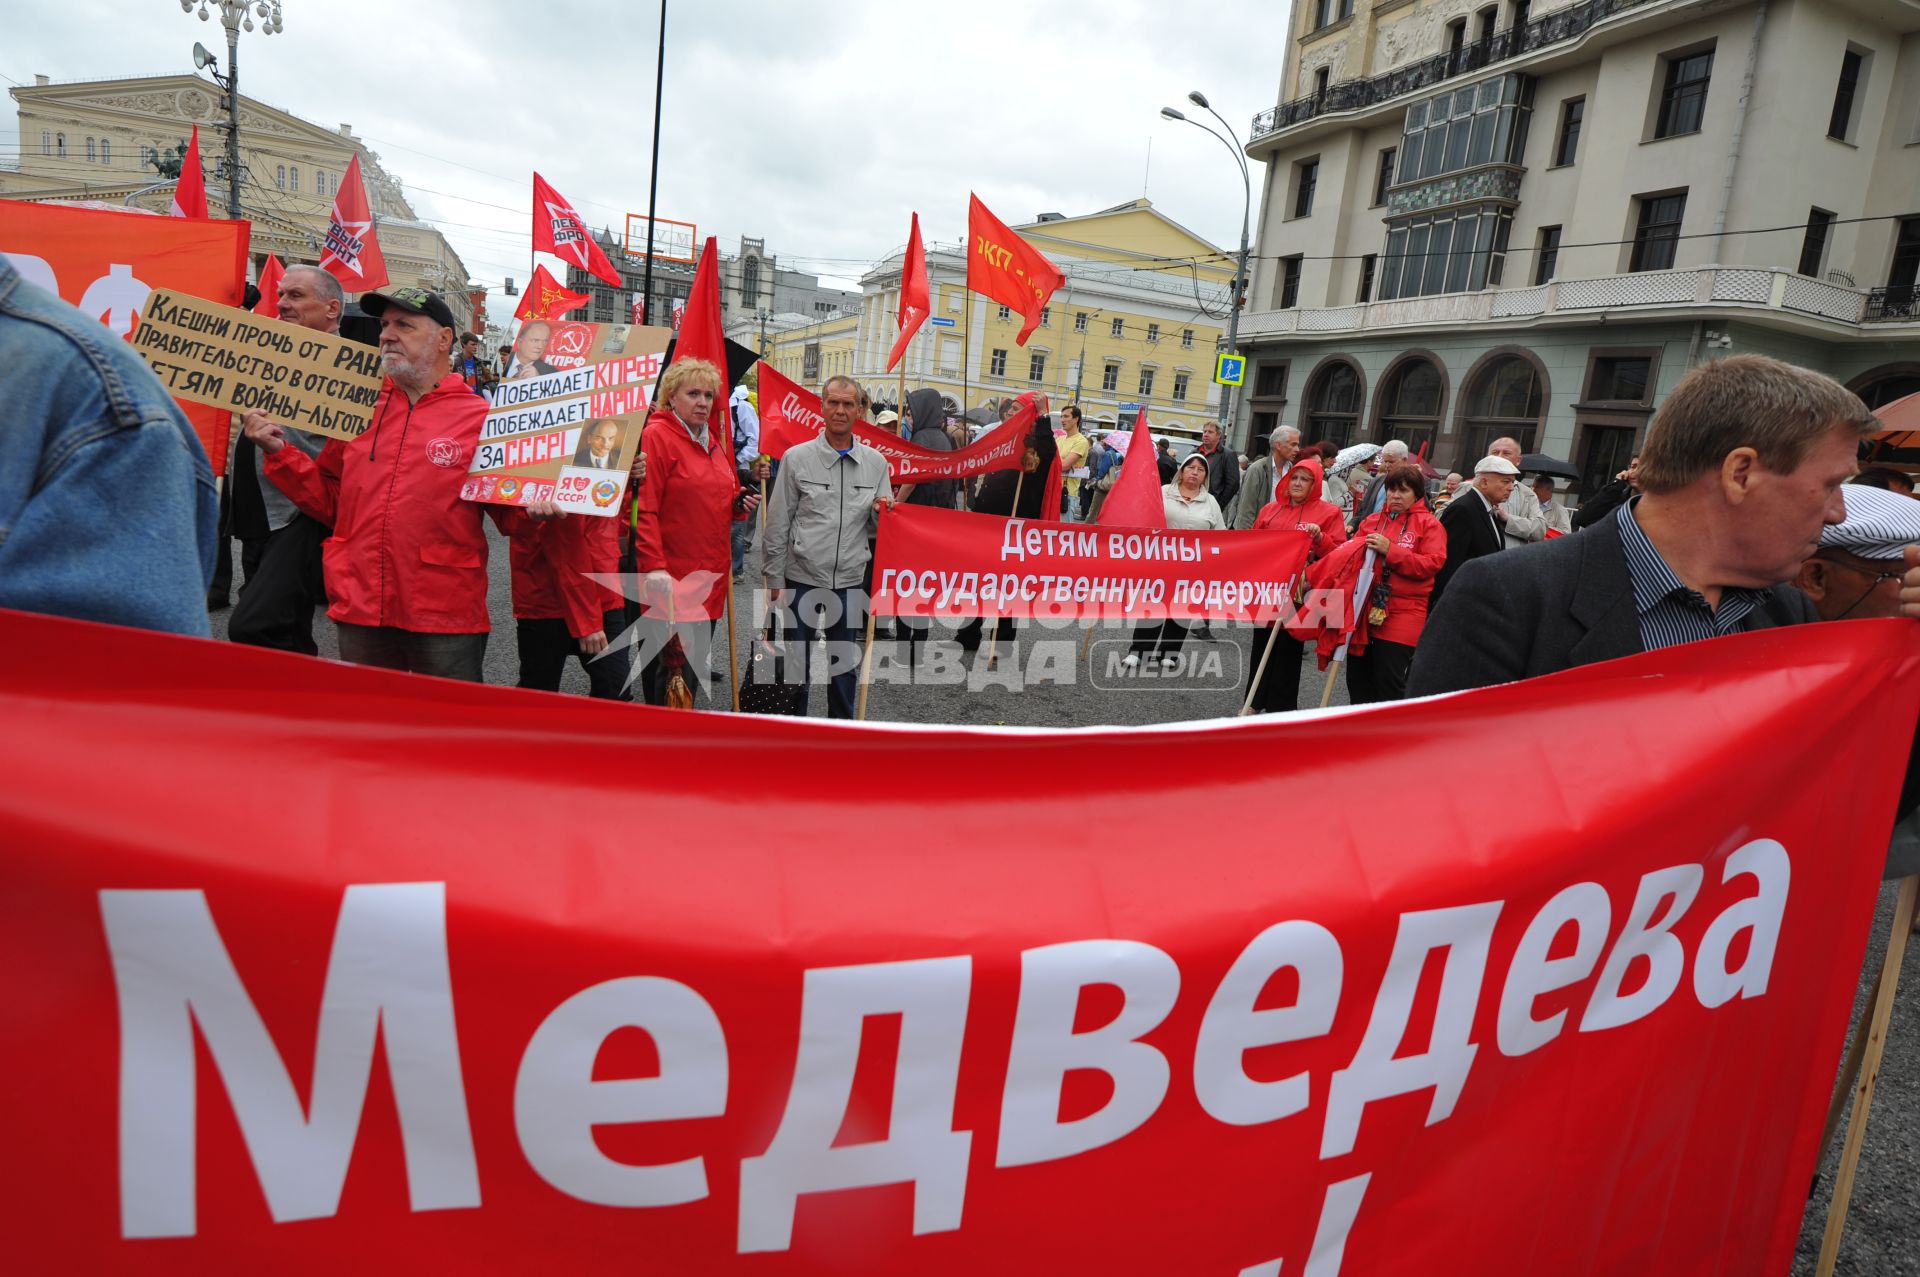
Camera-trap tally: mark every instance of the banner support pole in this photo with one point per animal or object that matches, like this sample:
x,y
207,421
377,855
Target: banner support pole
x,y
1889,985
993,638
866,666
1333,677
733,650
1253,688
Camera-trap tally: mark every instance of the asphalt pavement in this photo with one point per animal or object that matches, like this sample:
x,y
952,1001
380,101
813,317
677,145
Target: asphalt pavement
x,y
1044,682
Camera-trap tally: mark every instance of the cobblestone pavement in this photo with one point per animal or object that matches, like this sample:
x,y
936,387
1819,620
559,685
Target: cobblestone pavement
x,y
1044,683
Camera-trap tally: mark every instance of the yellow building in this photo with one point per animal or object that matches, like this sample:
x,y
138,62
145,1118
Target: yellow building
x,y
1137,322
810,351
94,140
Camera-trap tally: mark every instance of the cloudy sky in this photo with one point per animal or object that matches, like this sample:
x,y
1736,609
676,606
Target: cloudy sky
x,y
816,125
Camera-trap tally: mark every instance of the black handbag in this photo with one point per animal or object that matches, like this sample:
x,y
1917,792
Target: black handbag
x,y
764,686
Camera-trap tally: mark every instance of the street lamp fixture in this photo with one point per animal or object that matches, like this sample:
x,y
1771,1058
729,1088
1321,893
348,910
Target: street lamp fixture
x,y
235,16
1238,152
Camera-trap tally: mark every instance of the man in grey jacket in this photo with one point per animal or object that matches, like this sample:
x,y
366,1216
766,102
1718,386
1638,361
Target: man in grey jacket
x,y
1263,476
1520,516
825,504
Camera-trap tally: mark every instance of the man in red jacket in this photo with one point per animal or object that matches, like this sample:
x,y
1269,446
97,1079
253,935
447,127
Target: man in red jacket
x,y
407,563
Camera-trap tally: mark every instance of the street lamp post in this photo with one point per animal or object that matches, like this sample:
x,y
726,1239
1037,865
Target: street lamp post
x,y
234,14
1199,99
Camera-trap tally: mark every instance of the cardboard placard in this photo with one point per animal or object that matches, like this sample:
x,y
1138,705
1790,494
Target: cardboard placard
x,y
234,359
566,422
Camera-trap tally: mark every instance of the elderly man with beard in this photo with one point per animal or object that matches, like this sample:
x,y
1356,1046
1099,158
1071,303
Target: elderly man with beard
x,y
407,563
282,559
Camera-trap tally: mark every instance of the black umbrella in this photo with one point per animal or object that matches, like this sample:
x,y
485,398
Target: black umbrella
x,y
983,416
1541,463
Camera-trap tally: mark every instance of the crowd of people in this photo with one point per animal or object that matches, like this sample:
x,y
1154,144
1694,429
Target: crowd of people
x,y
1735,515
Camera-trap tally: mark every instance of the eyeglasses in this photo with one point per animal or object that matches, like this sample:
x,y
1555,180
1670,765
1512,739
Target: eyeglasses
x,y
1871,586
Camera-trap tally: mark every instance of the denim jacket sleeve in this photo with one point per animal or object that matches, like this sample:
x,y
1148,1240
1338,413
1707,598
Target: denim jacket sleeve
x,y
108,510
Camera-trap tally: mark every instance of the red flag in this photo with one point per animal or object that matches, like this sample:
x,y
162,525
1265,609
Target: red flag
x,y
352,252
190,194
270,276
1006,268
557,229
701,334
915,298
1054,498
1134,501
547,298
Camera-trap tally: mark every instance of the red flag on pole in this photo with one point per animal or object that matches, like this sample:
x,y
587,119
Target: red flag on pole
x,y
701,333
1135,500
547,298
1006,268
190,194
915,297
352,252
270,276
559,230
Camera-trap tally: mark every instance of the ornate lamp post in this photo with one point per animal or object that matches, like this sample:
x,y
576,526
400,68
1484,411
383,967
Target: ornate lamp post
x,y
1199,99
234,16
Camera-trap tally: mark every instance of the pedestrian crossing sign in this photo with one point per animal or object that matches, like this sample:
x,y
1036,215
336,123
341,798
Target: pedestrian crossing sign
x,y
1230,370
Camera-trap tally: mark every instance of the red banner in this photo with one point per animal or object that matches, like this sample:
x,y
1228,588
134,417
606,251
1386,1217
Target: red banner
x,y
106,263
1584,1025
933,562
792,414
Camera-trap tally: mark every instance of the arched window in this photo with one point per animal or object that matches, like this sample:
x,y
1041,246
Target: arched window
x,y
293,178
750,282
91,155
280,177
320,182
106,150
1333,402
1411,399
1505,396
1887,383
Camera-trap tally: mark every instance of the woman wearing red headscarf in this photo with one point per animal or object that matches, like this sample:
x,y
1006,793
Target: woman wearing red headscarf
x,y
1300,505
1409,547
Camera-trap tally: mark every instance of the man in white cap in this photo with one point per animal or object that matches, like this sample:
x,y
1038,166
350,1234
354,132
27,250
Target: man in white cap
x,y
1475,520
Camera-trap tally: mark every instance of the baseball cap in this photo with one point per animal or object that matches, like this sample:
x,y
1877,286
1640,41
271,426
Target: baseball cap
x,y
417,300
1495,465
887,418
1878,525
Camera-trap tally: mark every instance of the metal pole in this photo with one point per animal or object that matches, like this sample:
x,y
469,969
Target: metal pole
x,y
233,116
653,178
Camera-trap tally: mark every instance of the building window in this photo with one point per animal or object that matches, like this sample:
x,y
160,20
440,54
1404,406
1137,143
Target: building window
x,y
1320,78
1110,378
60,145
1522,12
1146,383
1566,148
1333,402
1605,452
1306,176
106,150
1547,256
1368,264
293,178
1487,17
92,155
1446,252
1046,316
1456,45
997,363
1287,296
1620,379
1036,366
1383,175
1180,382
1481,124
1683,99
1410,402
1328,12
1657,233
1840,124
1080,322
1504,397
750,282
1119,326
46,142
280,177
1005,311
1153,332
1813,250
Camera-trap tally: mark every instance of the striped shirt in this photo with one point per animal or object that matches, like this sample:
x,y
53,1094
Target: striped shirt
x,y
1670,611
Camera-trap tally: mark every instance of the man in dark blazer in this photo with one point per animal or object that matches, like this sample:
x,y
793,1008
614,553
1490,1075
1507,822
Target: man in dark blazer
x,y
1741,470
1475,520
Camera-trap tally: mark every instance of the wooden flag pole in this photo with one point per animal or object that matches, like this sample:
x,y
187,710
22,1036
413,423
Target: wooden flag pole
x,y
1889,985
866,667
1333,677
1253,688
733,652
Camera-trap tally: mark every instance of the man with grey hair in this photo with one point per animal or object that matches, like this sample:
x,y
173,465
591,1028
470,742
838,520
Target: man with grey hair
x,y
1520,517
1261,481
1375,497
279,545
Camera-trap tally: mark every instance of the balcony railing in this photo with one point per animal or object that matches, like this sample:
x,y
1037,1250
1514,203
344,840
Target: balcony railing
x,y
1901,302
1724,287
1349,95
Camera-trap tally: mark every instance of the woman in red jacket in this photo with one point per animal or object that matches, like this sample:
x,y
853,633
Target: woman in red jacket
x,y
1301,506
685,506
560,611
1410,547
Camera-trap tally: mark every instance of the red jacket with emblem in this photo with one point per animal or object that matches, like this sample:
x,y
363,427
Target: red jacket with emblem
x,y
1313,512
550,565
406,551
683,513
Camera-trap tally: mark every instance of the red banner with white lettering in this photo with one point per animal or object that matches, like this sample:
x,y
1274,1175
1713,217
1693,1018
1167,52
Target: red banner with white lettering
x,y
933,562
442,1005
792,414
106,261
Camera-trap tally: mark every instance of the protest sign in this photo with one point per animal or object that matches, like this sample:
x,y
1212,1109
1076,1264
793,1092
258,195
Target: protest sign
x,y
1405,1036
792,414
229,358
568,434
933,562
106,260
